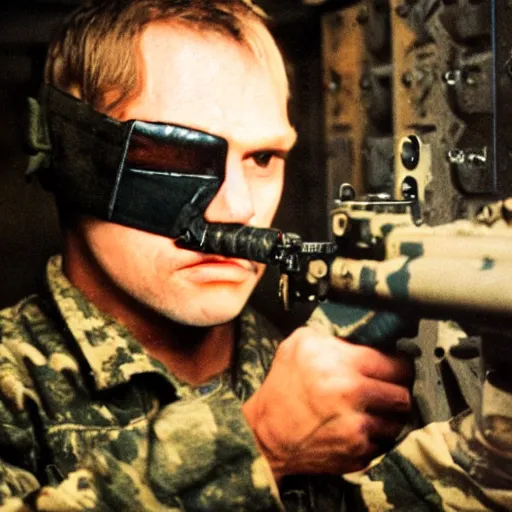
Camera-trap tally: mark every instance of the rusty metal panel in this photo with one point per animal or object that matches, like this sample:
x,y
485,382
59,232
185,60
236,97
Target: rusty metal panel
x,y
358,107
418,102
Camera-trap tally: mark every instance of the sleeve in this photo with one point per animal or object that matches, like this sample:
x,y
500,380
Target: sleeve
x,y
194,454
442,467
18,448
208,448
198,454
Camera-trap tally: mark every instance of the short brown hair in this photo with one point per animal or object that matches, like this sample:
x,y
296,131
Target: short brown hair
x,y
95,51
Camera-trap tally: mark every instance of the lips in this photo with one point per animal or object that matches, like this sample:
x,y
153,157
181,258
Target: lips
x,y
211,269
220,260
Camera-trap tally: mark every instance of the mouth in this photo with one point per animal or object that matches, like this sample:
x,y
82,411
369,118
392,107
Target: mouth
x,y
212,268
222,260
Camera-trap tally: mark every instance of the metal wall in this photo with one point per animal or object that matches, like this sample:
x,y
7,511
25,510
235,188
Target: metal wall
x,y
418,105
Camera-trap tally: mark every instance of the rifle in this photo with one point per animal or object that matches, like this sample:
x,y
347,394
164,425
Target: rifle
x,y
383,257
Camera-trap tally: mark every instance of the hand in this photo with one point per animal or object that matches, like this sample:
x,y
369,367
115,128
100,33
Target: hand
x,y
327,404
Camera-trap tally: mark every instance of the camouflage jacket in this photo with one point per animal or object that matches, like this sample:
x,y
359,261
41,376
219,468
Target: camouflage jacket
x,y
88,421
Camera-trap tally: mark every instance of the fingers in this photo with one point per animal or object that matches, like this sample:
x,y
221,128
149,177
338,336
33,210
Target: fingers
x,y
365,436
384,367
341,445
366,360
341,463
327,405
381,428
384,397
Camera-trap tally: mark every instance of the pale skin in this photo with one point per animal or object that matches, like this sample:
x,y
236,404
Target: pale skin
x,y
325,403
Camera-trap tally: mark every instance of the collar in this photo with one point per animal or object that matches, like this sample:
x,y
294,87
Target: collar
x,y
114,355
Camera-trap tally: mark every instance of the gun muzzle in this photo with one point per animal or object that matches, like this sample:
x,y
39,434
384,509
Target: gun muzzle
x,y
241,241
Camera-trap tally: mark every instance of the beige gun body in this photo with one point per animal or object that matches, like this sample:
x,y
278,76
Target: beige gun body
x,y
464,265
459,271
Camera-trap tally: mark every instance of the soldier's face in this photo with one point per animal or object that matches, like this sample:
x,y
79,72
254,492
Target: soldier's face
x,y
207,82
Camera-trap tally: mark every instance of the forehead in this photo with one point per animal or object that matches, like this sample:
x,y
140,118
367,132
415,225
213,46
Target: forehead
x,y
207,81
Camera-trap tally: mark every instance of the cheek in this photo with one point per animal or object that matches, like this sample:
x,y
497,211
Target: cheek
x,y
124,252
266,198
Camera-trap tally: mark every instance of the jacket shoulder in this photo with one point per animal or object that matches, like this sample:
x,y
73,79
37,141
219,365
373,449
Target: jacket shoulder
x,y
25,330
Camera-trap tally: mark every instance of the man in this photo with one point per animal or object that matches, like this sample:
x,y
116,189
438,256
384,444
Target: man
x,y
157,322
137,379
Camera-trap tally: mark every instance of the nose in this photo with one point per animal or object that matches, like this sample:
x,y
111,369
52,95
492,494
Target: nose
x,y
233,202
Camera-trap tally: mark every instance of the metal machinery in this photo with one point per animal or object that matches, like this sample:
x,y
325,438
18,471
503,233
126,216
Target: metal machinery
x,y
418,102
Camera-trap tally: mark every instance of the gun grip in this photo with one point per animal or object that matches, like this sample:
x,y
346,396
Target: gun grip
x,y
364,326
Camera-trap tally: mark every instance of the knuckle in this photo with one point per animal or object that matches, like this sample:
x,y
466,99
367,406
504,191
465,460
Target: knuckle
x,y
403,399
304,333
355,356
300,337
308,344
359,437
347,386
285,348
338,383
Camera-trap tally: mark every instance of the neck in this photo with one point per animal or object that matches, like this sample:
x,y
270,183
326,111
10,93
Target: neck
x,y
193,354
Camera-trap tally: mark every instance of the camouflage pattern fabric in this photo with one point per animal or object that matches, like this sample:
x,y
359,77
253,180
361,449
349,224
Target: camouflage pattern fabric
x,y
441,467
90,422
444,466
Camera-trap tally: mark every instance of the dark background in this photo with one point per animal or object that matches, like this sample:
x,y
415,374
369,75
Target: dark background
x,y
28,226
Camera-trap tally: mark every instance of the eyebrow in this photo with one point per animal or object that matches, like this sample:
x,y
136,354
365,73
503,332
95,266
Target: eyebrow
x,y
286,141
272,143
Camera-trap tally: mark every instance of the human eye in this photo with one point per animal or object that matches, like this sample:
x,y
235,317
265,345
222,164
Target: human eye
x,y
267,159
263,158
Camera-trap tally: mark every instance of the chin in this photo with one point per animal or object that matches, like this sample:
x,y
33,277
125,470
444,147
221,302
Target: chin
x,y
206,317
207,310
